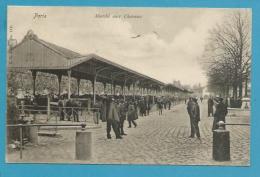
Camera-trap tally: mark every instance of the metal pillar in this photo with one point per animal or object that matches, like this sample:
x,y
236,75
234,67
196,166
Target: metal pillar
x,y
34,74
69,80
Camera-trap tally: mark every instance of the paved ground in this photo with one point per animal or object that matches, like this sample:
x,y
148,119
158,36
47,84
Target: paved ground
x,y
156,140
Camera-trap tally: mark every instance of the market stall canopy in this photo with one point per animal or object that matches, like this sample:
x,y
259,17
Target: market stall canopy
x,y
35,54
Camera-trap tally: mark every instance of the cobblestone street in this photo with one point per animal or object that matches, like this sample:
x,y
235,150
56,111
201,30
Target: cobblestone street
x,y
156,140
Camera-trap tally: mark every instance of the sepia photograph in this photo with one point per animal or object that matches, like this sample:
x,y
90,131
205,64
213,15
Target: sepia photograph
x,y
128,85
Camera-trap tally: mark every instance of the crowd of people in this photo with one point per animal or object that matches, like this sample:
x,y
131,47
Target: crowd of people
x,y
116,110
112,109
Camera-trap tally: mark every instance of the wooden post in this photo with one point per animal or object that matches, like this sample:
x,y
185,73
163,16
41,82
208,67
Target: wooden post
x,y
112,83
94,88
69,80
123,89
114,89
78,84
21,141
134,90
59,82
105,86
34,74
48,107
128,88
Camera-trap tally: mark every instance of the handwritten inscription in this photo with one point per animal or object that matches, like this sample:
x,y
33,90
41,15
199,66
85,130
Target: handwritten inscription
x,y
117,16
37,16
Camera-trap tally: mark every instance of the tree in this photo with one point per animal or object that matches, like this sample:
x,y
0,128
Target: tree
x,y
227,55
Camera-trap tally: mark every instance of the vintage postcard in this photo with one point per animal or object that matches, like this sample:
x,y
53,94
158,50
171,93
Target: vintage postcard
x,y
128,85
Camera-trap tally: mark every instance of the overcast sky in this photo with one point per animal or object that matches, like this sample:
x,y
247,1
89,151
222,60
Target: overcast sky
x,y
170,43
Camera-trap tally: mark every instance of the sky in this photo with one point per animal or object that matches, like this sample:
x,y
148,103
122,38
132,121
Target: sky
x,y
163,43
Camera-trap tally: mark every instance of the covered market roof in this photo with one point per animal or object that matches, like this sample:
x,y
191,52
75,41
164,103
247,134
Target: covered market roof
x,y
33,53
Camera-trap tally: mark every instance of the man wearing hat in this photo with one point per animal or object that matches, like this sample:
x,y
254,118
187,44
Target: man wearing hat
x,y
113,119
122,110
210,106
194,113
220,113
195,118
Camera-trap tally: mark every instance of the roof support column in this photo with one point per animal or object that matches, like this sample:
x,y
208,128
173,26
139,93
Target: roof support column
x,y
114,88
124,88
128,88
134,90
78,84
94,88
112,83
59,82
153,95
34,75
105,86
69,80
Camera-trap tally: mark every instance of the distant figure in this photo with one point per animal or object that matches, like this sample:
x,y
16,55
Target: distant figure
x,y
210,107
220,113
131,115
142,107
169,104
201,99
189,110
122,110
160,107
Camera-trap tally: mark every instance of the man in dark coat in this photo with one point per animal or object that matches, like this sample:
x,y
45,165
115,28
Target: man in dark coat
x,y
113,119
122,110
131,114
160,107
196,118
194,113
142,107
220,113
210,107
169,104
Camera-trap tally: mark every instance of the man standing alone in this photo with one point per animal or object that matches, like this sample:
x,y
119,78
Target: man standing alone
x,y
194,113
